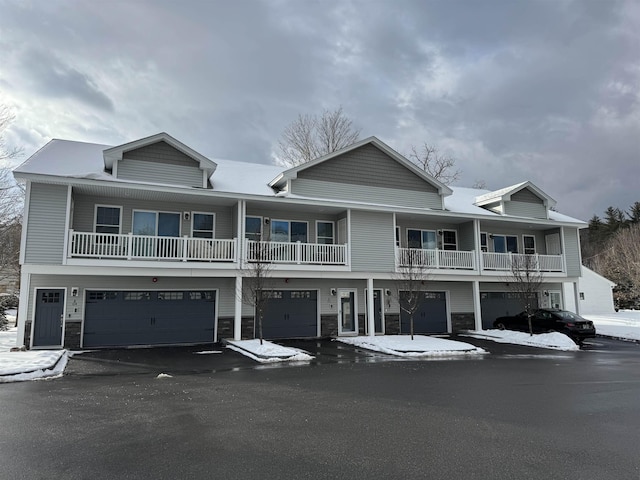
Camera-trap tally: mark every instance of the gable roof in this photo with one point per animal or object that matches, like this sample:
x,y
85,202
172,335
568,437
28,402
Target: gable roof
x,y
504,194
115,153
292,173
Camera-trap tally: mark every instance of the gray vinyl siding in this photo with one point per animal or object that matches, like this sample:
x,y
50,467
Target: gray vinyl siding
x,y
225,286
309,217
526,195
160,163
84,214
366,194
144,171
519,232
372,241
367,175
460,295
525,209
466,237
46,224
572,252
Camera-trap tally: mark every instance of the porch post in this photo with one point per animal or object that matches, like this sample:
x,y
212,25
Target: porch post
x,y
237,319
25,288
371,323
477,310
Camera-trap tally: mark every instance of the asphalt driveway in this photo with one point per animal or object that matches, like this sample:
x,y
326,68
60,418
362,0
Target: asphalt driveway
x,y
517,413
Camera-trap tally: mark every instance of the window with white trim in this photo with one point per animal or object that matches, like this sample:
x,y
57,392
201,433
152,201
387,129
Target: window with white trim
x,y
253,228
484,241
449,240
425,239
398,237
529,243
288,231
202,225
108,219
325,232
505,243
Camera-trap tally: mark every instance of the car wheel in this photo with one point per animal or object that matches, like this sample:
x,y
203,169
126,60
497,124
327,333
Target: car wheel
x,y
501,326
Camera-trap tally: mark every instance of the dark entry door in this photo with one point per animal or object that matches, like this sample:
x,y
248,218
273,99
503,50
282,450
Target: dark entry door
x,y
500,304
47,329
377,310
290,314
431,316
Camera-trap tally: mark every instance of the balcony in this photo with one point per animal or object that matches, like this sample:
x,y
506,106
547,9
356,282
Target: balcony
x,y
147,247
436,259
502,262
296,253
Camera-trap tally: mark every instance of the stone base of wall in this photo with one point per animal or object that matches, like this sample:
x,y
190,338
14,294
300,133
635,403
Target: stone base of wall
x,y
362,324
27,334
391,324
329,325
72,332
225,328
462,321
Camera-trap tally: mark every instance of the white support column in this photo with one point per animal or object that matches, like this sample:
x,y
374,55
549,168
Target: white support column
x,y
478,248
371,322
477,310
576,294
237,318
25,288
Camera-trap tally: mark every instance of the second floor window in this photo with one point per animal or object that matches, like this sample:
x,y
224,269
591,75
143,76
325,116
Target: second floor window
x,y
108,219
421,239
324,232
288,231
505,244
449,240
484,245
253,228
202,225
529,243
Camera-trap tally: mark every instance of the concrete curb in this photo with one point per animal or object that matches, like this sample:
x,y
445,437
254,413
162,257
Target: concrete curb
x,y
613,337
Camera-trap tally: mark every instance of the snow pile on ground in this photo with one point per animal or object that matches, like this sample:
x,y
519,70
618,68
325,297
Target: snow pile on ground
x,y
420,346
268,352
553,340
31,365
624,324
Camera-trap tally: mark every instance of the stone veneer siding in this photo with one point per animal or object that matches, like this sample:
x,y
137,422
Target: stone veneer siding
x,y
462,321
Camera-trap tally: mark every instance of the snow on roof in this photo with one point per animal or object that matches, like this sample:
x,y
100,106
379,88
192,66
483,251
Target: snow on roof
x,y
497,194
73,159
66,158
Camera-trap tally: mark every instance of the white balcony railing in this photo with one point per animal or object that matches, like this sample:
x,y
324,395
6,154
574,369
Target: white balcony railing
x,y
295,253
146,247
537,262
436,259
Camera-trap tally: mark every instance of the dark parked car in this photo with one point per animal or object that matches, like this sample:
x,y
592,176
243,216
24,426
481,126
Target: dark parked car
x,y
550,320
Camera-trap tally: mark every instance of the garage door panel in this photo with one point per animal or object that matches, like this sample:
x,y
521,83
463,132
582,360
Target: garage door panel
x,y
127,318
431,316
499,304
291,314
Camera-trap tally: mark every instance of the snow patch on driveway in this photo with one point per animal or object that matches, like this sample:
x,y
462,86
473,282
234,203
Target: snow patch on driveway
x,y
420,346
553,340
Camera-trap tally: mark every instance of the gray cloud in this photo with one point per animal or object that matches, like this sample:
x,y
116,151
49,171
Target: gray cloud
x,y
545,91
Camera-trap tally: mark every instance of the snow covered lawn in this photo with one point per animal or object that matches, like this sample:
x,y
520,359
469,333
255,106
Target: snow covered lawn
x,y
554,340
31,365
624,324
268,352
420,346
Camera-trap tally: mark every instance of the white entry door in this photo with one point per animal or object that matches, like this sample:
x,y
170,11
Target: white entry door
x,y
555,299
347,312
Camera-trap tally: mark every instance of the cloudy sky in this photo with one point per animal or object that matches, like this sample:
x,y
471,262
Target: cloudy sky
x,y
544,90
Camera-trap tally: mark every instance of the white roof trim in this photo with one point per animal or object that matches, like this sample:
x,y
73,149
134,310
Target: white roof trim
x,y
115,153
504,195
292,173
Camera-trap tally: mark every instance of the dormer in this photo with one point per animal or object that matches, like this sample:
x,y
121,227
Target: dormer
x,y
159,159
368,171
521,200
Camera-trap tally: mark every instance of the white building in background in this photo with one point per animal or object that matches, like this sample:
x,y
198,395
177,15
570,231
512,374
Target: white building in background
x,y
596,293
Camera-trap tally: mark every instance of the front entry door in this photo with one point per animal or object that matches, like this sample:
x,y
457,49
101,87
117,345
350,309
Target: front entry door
x,y
555,299
378,317
347,314
49,319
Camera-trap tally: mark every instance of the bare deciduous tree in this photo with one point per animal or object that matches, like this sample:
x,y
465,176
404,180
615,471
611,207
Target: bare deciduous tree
x,y
411,279
312,136
259,268
525,281
6,117
620,262
480,184
439,166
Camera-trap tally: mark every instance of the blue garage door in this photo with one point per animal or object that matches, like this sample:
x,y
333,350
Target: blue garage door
x,y
431,316
500,304
291,314
129,318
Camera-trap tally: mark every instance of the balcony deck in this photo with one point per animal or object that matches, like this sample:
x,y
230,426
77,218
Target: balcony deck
x,y
296,253
504,262
436,259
